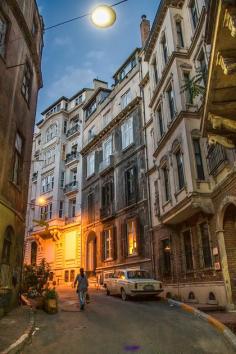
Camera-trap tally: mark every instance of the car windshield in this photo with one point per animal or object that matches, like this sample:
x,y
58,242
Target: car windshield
x,y
138,274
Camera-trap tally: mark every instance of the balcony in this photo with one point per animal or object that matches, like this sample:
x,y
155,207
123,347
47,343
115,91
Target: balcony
x,y
106,164
72,157
107,211
71,187
73,131
34,176
216,157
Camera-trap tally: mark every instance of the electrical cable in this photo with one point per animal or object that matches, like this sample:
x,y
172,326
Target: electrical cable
x,y
79,17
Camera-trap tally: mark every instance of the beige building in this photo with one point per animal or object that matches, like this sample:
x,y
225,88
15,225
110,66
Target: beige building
x,y
183,169
54,203
21,45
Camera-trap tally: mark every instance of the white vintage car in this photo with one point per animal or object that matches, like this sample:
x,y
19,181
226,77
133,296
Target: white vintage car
x,y
129,282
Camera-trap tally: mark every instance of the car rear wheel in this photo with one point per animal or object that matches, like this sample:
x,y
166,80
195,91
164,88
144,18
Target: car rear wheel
x,y
108,292
123,295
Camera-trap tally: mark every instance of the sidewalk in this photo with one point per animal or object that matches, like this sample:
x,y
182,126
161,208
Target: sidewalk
x,y
14,327
227,318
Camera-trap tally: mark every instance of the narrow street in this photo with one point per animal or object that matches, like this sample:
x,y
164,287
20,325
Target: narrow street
x,y
110,326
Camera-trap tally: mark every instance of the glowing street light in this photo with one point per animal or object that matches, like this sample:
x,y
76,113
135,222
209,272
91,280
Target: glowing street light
x,y
103,16
41,201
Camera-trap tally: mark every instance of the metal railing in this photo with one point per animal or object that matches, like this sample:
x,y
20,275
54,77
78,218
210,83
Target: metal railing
x,y
106,163
107,211
71,157
216,156
72,130
34,176
72,186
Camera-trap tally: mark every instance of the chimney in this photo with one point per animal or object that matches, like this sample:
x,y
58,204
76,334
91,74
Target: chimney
x,y
144,29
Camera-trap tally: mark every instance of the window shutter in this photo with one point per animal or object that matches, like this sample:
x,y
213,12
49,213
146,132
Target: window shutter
x,y
114,243
124,246
102,243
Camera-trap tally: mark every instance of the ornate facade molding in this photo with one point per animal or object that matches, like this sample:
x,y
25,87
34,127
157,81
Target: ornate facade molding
x,y
227,61
230,20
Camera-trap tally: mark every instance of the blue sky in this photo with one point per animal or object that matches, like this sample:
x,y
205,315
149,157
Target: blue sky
x,y
77,52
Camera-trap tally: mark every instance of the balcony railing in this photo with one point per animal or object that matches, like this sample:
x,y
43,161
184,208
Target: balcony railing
x,y
71,187
216,156
34,176
72,130
107,211
106,163
72,157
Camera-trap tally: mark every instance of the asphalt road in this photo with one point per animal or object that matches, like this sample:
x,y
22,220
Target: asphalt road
x,y
110,326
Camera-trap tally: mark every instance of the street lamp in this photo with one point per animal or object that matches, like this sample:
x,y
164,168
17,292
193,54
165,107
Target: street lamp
x,y
103,16
41,201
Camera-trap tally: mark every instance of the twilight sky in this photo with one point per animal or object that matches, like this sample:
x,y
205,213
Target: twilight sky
x,y
77,52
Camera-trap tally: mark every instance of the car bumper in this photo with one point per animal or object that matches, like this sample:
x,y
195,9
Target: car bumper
x,y
143,292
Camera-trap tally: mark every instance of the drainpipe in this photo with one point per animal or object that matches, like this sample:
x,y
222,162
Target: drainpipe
x,y
147,169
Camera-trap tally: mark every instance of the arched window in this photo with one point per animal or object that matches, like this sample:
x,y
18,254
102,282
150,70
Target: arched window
x,y
51,132
34,249
7,245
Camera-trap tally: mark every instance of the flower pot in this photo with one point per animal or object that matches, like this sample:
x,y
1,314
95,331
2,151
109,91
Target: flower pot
x,y
51,306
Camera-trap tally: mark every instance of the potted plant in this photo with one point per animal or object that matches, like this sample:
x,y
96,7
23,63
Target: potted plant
x,y
50,300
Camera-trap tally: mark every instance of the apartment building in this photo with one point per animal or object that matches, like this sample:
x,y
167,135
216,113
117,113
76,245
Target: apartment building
x,y
114,195
182,166
54,204
21,43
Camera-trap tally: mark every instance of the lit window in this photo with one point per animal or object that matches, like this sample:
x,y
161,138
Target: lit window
x,y
3,31
17,159
127,133
132,238
27,82
91,164
125,99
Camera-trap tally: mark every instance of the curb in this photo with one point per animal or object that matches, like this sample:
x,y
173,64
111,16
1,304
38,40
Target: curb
x,y
21,341
220,327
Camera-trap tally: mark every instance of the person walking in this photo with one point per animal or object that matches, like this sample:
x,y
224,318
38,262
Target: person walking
x,y
82,287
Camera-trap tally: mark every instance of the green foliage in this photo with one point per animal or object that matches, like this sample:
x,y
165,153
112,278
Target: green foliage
x,y
50,294
195,86
35,276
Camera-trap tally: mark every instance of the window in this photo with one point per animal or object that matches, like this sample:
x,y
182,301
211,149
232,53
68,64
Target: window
x,y
155,73
72,275
127,133
79,100
46,212
188,91
188,250
164,49
27,82
91,108
47,183
206,248
72,207
165,173
61,209
180,39
51,132
49,156
203,66
106,118
127,69
166,257
18,154
125,99
3,32
107,194
132,238
34,249
7,245
65,127
160,121
107,149
108,244
198,159
73,174
91,207
91,133
194,13
180,168
62,179
66,278
130,184
91,164
171,102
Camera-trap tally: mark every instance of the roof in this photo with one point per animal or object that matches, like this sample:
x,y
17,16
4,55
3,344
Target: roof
x,y
126,61
80,92
96,92
55,103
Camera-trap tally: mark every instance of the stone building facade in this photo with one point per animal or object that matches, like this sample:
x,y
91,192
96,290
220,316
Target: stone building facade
x,y
21,43
114,196
183,169
54,204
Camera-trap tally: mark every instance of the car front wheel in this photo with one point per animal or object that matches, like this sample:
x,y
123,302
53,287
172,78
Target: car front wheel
x,y
123,295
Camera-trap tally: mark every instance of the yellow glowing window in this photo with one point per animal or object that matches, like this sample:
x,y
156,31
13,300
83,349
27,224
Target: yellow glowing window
x,y
132,237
